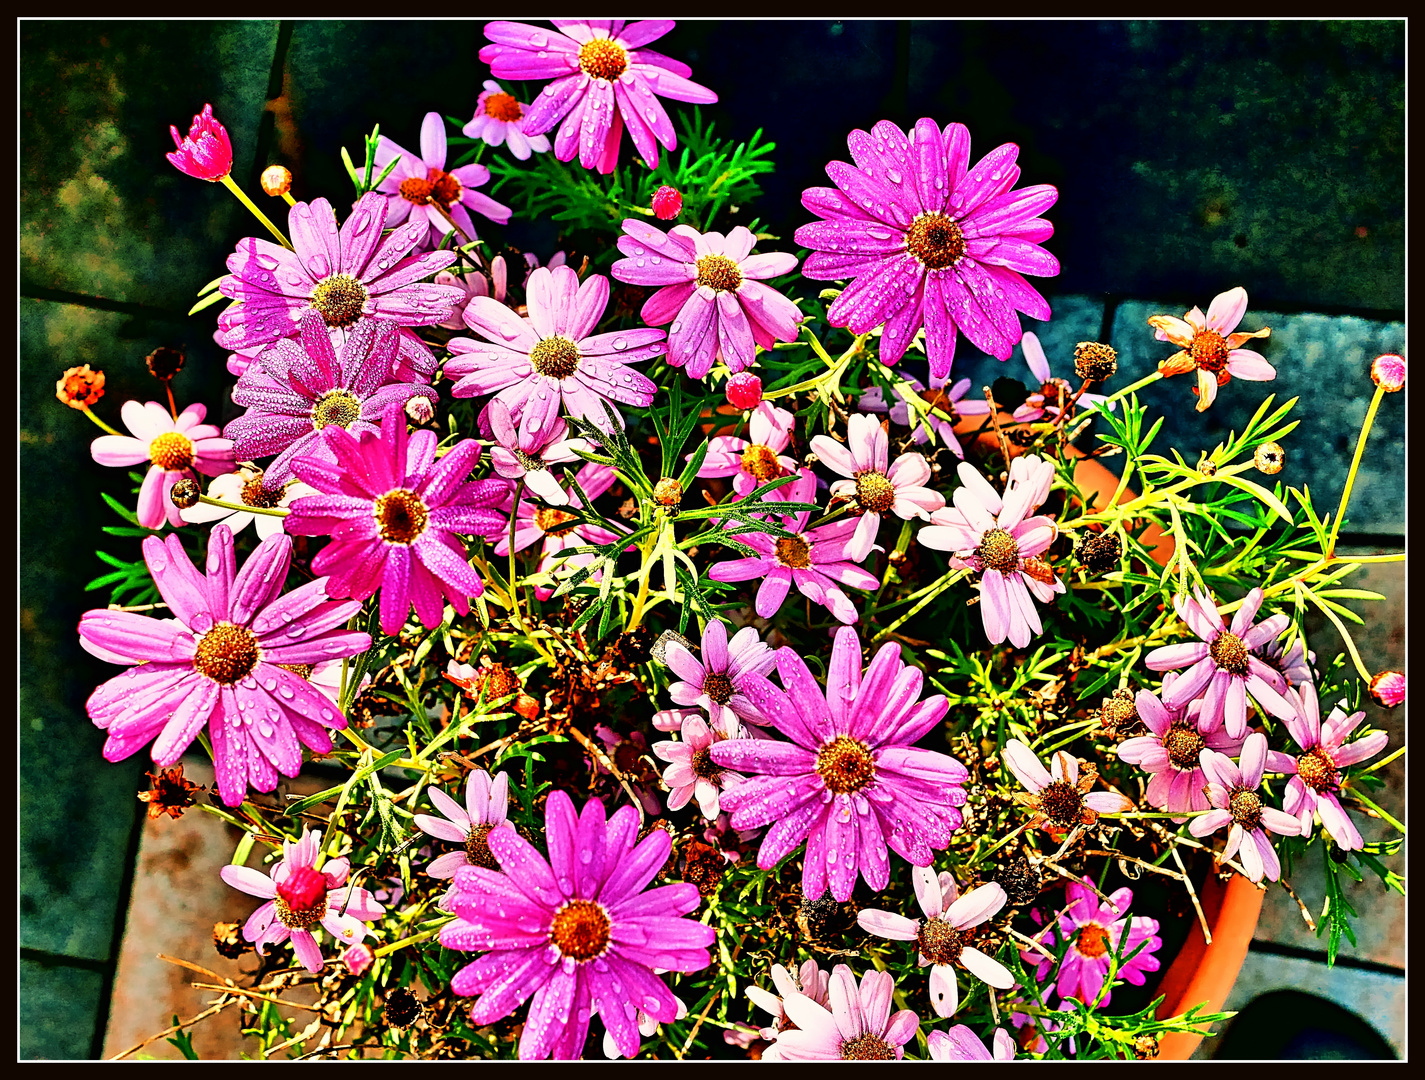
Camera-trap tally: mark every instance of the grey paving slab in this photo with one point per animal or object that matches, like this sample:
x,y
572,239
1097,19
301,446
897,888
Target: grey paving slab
x,y
59,1006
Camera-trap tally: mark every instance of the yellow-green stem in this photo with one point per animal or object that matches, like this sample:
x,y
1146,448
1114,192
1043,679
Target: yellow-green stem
x,y
272,511
1355,467
241,197
101,423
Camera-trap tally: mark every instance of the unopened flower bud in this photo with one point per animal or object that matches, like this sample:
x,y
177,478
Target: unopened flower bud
x,y
744,390
1207,466
1269,458
1095,361
667,203
164,363
1388,372
1388,689
1100,552
420,410
185,494
207,152
80,387
668,492
358,958
276,180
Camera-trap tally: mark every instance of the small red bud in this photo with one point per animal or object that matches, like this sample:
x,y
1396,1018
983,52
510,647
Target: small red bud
x,y
744,390
667,203
1388,689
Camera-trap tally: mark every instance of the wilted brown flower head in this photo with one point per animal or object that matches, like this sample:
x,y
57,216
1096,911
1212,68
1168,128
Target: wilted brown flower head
x,y
169,793
1095,361
164,363
80,387
227,939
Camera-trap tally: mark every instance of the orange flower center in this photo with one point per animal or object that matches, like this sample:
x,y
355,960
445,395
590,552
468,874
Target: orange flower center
x,y
761,462
846,765
1245,807
226,653
503,107
552,522
602,59
1092,940
254,494
1209,350
438,187
719,272
793,552
1229,652
580,930
400,516
171,451
935,241
704,766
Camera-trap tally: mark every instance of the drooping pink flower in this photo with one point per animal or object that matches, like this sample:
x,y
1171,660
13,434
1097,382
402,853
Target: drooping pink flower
x,y
1063,798
1235,795
577,931
173,449
1093,931
858,1026
757,459
207,152
1170,751
851,782
560,529
500,118
1211,348
994,536
1315,786
216,663
419,188
1387,688
874,400
345,275
815,560
486,809
393,512
712,293
717,682
929,241
808,980
1045,400
603,79
552,358
299,897
1388,371
691,771
1221,666
744,390
940,940
960,1043
873,488
667,203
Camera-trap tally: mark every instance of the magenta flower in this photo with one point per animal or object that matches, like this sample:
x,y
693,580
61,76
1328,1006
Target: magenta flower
x,y
1222,668
1093,932
344,275
691,770
207,152
809,981
577,930
713,293
1064,797
962,1044
874,489
851,782
1234,792
744,390
929,241
486,809
1210,346
1045,400
940,939
415,363
603,79
559,529
1315,786
419,188
216,663
994,537
500,118
667,203
874,400
295,391
717,683
299,897
553,357
859,1025
393,513
814,559
173,449
1170,751
757,459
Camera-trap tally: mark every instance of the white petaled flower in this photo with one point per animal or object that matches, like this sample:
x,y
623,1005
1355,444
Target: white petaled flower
x,y
692,771
245,487
808,980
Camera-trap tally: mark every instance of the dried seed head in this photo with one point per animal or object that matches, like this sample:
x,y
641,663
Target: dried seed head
x,y
1119,714
1095,361
169,793
1269,458
1145,1046
276,180
185,494
1020,881
1207,466
227,939
1099,553
164,363
703,866
403,1008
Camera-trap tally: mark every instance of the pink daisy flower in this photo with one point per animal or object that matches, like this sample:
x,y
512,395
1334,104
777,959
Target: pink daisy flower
x,y
207,152
553,358
173,449
300,897
851,782
718,682
929,241
414,362
344,275
858,1026
960,1043
1221,666
577,930
393,512
808,980
1315,786
560,529
500,118
1234,792
419,188
874,489
940,938
757,459
215,664
1045,400
1210,346
713,293
1295,665
1093,931
814,559
994,537
1170,751
692,771
603,79
1063,798
648,1025
486,809
874,400
527,455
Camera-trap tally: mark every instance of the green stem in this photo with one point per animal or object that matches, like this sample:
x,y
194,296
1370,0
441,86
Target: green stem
x,y
1355,467
945,583
1383,762
101,423
274,511
1147,380
242,198
1357,794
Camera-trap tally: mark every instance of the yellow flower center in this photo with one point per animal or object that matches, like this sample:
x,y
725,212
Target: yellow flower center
x,y
719,272
846,765
1318,771
761,461
1245,807
875,494
400,516
339,299
999,551
556,357
793,552
602,59
171,451
1229,652
339,407
580,930
939,942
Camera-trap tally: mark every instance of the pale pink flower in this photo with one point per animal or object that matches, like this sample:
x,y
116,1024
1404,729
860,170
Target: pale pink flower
x,y
1063,798
859,1025
499,118
1210,346
486,809
1234,793
520,453
1170,751
419,188
808,980
757,459
718,681
962,1044
245,487
173,449
874,400
691,771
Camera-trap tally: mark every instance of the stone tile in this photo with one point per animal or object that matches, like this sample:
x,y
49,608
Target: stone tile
x,y
58,1009
1324,360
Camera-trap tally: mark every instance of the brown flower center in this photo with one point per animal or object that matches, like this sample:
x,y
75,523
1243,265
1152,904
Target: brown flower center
x,y
761,461
580,930
875,494
939,942
503,107
999,550
254,494
531,464
438,187
1092,940
718,686
477,850
793,552
602,59
171,451
719,272
867,1047
555,357
846,765
339,299
400,516
1209,350
226,653
1183,744
935,241
1229,653
1318,771
552,522
1061,803
704,766
1246,808
339,407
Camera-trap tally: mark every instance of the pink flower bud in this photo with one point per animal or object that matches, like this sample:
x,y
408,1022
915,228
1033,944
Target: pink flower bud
x,y
1388,372
420,410
744,390
667,203
206,153
358,958
1388,688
